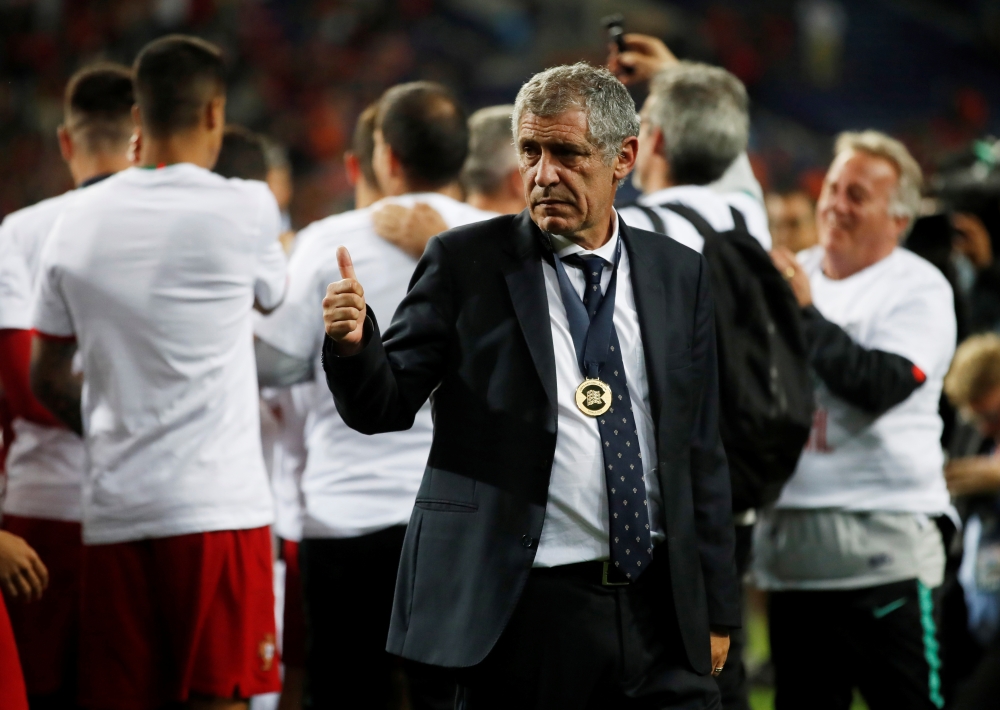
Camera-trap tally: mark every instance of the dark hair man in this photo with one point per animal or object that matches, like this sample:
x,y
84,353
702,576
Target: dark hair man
x,y
359,490
45,463
572,361
490,179
150,276
850,552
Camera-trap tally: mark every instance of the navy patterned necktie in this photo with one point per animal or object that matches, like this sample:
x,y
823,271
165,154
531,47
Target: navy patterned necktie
x,y
630,541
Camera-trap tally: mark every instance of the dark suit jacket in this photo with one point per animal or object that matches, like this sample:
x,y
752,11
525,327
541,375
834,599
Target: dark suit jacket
x,y
474,334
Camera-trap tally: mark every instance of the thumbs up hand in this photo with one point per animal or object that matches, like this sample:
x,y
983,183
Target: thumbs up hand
x,y
344,308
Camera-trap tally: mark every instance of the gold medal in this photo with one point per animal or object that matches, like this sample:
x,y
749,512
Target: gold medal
x,y
593,397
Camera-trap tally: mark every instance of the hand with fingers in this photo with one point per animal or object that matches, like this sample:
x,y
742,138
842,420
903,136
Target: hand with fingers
x,y
720,651
643,58
344,309
23,576
789,267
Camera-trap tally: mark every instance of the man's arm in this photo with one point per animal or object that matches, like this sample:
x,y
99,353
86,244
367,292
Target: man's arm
x,y
15,364
53,381
872,380
710,475
276,368
379,383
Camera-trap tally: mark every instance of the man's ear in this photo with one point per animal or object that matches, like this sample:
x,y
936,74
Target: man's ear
x,y
66,146
215,113
352,166
626,157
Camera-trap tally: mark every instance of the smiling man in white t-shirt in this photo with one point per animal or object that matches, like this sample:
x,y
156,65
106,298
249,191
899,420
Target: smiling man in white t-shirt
x,y
151,276
851,551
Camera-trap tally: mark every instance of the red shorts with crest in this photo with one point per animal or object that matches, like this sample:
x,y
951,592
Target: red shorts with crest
x,y
165,619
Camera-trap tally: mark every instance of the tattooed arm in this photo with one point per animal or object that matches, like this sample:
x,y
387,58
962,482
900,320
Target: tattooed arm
x,y
53,381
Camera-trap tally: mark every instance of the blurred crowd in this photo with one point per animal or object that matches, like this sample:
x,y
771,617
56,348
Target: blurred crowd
x,y
903,347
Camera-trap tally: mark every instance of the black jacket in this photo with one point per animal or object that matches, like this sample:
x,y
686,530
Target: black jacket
x,y
473,332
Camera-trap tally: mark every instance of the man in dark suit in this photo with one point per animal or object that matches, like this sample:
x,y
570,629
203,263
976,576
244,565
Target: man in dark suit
x,y
572,541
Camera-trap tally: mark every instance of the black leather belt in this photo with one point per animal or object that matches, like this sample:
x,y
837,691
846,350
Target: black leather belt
x,y
599,572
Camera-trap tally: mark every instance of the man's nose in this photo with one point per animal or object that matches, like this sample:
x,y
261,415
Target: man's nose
x,y
546,172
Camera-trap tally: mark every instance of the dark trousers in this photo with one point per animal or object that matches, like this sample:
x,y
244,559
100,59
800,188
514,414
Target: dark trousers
x,y
348,586
733,679
575,644
881,640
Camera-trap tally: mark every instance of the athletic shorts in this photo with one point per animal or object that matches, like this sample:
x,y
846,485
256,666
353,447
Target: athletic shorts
x,y
12,693
293,640
46,630
165,619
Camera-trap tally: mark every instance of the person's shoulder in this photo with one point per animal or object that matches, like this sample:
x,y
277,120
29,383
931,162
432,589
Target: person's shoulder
x,y
477,232
40,215
318,241
646,244
916,274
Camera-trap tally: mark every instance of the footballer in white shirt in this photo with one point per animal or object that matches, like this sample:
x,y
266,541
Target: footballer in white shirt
x,y
45,461
152,276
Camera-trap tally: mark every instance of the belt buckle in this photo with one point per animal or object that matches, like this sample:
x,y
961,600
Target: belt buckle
x,y
604,577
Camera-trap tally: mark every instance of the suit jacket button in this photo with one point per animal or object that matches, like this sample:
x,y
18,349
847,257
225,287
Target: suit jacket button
x,y
527,541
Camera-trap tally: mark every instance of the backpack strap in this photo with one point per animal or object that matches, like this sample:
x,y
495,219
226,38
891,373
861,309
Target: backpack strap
x,y
739,221
655,219
691,215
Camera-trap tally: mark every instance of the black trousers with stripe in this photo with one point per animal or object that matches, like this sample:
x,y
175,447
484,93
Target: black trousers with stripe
x,y
881,640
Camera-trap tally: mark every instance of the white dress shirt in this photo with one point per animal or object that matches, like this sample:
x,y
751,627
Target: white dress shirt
x,y
576,526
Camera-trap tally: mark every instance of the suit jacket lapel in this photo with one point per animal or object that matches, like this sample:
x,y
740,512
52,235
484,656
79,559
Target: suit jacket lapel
x,y
647,288
526,283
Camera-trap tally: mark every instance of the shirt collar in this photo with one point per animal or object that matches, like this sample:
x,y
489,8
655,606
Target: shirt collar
x,y
94,180
564,247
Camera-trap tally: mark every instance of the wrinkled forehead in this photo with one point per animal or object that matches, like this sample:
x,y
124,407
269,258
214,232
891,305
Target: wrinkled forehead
x,y
567,127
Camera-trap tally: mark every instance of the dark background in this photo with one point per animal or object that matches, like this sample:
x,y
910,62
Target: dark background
x,y
301,70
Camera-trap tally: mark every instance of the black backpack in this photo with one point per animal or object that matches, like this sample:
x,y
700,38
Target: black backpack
x,y
766,391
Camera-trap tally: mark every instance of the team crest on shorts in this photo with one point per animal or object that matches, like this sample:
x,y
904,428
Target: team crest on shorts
x,y
266,651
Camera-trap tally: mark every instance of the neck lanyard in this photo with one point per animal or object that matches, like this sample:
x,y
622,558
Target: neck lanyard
x,y
591,338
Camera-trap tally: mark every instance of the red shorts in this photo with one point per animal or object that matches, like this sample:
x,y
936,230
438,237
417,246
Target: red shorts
x,y
46,630
12,692
293,640
167,618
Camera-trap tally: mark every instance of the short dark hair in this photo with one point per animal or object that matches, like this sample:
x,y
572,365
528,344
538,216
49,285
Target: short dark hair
x,y
97,107
175,77
242,155
363,142
426,128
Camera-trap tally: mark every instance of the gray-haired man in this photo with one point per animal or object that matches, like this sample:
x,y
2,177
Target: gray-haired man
x,y
572,543
490,176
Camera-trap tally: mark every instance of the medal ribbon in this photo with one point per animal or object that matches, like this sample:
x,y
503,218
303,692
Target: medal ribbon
x,y
591,338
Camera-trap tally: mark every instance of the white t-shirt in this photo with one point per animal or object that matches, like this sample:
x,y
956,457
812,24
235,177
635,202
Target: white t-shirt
x,y
576,526
44,463
711,205
155,273
285,452
857,461
354,484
